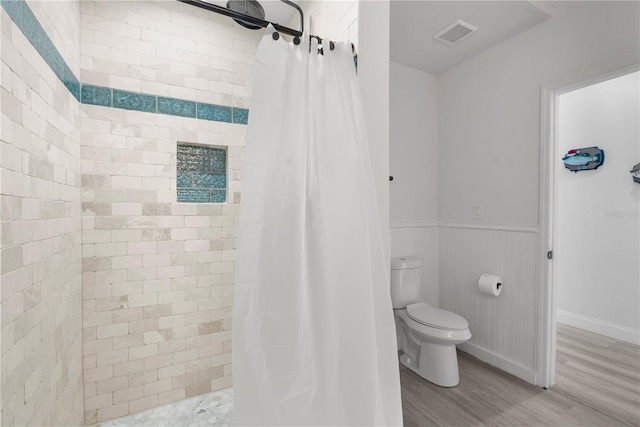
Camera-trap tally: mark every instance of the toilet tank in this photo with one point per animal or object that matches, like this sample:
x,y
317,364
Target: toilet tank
x,y
405,280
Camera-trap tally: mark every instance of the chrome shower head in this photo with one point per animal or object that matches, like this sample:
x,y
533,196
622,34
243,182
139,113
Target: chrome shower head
x,y
247,7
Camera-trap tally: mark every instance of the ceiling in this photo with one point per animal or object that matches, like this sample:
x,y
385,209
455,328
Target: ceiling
x,y
413,24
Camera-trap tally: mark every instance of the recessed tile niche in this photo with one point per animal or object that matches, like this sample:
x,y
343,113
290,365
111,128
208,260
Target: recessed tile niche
x,y
202,174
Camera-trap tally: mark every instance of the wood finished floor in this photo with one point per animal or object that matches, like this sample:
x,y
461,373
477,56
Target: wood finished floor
x,y
597,384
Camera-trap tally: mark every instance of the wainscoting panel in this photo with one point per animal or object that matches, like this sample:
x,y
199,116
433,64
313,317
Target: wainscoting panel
x,y
504,326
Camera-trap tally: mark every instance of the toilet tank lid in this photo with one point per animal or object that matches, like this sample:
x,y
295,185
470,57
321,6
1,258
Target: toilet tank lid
x,y
401,263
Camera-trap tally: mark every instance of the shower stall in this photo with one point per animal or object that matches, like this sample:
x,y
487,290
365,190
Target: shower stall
x,y
116,296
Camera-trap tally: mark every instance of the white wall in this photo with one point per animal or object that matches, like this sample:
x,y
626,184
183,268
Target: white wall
x,y
373,79
488,153
333,20
413,155
597,227
489,109
413,163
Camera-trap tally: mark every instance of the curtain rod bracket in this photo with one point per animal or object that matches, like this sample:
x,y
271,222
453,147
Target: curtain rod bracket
x,y
261,23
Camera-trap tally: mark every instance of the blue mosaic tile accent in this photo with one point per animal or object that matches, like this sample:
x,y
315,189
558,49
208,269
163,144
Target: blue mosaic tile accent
x,y
35,34
218,196
191,195
183,180
219,165
219,181
201,176
240,115
134,101
176,107
96,95
199,195
71,82
21,14
218,113
209,180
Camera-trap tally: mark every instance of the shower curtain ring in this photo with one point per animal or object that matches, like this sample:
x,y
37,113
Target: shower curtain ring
x,y
275,35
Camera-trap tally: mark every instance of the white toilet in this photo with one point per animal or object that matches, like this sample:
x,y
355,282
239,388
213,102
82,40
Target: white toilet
x,y
427,336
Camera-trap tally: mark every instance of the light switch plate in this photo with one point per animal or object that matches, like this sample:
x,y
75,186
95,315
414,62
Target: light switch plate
x,y
478,212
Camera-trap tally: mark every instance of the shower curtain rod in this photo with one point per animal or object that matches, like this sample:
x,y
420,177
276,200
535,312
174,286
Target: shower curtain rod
x,y
251,19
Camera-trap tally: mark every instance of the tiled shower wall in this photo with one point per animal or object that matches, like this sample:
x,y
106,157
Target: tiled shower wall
x,y
93,240
41,374
157,274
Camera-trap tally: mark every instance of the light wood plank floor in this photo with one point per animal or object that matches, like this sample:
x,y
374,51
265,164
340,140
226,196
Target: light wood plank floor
x,y
597,384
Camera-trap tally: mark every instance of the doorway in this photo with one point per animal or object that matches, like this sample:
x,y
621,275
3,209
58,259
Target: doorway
x,y
594,207
596,219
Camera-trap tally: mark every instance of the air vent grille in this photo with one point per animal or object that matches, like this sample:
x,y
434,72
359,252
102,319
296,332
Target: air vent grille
x,y
455,33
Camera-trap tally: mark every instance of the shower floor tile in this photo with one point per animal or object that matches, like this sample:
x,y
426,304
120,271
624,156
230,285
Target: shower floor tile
x,y
211,409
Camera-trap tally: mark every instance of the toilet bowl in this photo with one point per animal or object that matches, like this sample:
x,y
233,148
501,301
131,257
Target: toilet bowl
x,y
428,346
427,335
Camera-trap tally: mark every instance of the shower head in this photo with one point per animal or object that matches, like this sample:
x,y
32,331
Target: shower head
x,y
247,7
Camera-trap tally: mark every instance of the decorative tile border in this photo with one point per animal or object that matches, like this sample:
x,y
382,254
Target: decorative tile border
x,y
21,14
240,115
23,17
176,107
133,101
96,95
215,112
107,97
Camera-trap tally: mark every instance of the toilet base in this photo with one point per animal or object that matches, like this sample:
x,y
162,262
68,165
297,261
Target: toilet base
x,y
436,363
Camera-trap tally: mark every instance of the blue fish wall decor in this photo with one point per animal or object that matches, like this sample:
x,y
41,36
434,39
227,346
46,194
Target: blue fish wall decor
x,y
581,159
635,172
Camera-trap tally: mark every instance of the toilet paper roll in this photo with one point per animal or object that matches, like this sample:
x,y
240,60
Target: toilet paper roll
x,y
490,284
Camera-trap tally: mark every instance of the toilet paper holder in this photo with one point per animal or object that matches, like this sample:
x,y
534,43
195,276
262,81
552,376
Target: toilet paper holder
x,y
490,284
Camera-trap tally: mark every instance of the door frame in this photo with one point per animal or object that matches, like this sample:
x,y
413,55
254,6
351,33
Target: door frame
x,y
546,323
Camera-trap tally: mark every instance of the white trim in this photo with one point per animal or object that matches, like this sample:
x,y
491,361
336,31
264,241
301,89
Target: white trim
x,y
491,227
546,333
595,75
464,226
499,362
611,330
413,225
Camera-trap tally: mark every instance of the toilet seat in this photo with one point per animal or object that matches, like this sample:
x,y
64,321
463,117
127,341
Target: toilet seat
x,y
435,317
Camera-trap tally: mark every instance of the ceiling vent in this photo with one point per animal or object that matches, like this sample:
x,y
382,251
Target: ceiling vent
x,y
455,33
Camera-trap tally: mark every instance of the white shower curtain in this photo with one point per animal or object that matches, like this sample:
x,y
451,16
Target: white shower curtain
x,y
313,330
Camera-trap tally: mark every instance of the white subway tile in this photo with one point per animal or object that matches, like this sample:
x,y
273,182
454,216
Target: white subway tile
x,y
142,300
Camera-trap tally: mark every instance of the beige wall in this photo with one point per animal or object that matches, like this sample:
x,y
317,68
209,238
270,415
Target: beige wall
x,y
41,374
157,275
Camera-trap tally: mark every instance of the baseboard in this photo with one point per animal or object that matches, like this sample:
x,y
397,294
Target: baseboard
x,y
500,362
611,330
